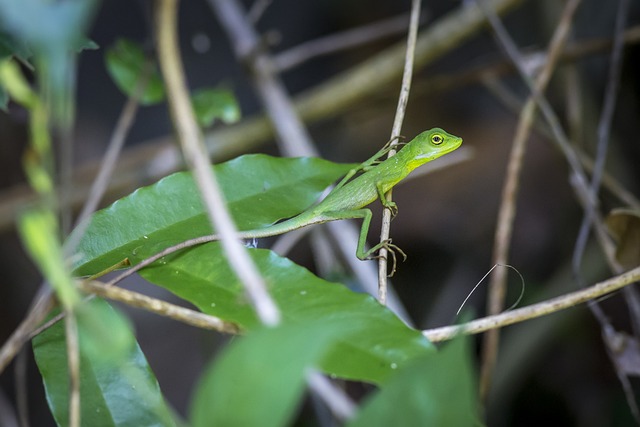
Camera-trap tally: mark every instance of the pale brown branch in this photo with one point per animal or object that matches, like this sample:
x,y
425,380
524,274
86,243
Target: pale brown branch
x,y
144,302
191,142
336,398
258,8
162,308
73,364
292,135
395,134
535,310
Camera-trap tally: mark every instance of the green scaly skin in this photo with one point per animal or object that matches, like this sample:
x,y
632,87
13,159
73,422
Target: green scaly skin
x,y
349,198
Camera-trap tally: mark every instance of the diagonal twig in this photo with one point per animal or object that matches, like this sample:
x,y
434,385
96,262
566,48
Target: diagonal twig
x,y
162,308
144,302
293,136
535,310
192,144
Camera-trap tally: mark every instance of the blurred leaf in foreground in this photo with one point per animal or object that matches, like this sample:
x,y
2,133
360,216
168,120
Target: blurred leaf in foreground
x,y
117,386
128,66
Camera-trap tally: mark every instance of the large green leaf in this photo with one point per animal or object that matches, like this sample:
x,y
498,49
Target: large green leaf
x,y
259,190
433,390
117,387
258,379
374,341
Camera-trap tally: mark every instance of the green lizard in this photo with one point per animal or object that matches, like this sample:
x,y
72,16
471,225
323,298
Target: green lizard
x,y
349,198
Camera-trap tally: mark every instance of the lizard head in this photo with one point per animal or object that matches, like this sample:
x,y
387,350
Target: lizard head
x,y
427,146
431,144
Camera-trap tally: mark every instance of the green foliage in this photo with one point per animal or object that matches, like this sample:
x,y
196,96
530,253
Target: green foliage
x,y
128,66
259,190
433,390
374,341
11,48
86,44
117,386
39,233
168,212
38,159
14,47
210,104
52,31
259,379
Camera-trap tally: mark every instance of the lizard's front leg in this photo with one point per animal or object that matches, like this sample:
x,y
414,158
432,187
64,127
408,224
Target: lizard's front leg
x,y
386,203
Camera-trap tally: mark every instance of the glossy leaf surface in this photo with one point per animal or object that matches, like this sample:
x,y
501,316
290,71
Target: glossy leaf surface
x,y
259,190
374,342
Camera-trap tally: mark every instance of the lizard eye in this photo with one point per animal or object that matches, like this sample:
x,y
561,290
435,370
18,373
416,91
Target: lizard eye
x,y
437,139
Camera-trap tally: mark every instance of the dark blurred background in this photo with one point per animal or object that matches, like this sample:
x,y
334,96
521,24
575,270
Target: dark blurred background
x,y
551,370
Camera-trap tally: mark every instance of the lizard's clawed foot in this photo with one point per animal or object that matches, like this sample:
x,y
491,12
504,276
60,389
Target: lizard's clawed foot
x,y
389,142
391,249
393,208
388,146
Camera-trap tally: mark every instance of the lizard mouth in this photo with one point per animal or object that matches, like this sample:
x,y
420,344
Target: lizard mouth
x,y
432,156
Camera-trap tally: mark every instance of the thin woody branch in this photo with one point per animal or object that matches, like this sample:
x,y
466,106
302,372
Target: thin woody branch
x,y
535,310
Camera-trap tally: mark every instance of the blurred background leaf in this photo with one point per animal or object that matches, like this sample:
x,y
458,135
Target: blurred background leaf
x,y
210,104
129,67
